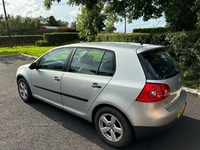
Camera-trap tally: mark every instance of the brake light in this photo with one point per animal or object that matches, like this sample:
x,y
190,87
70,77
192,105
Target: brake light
x,y
153,92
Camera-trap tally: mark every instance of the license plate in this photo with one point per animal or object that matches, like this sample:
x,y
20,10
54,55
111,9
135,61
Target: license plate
x,y
181,110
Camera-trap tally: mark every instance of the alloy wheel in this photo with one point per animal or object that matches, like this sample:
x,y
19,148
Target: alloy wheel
x,y
23,90
110,127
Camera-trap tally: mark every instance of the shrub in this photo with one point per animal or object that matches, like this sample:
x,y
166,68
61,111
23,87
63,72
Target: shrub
x,y
151,30
185,46
60,38
18,40
42,43
114,37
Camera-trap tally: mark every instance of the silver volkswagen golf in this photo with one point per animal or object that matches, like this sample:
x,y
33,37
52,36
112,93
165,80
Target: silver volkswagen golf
x,y
128,90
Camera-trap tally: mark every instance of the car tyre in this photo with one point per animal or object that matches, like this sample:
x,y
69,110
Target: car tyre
x,y
113,127
24,90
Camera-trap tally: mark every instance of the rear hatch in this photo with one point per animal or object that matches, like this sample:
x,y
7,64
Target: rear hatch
x,y
160,67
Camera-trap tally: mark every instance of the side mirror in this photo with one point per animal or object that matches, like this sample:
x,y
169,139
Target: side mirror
x,y
32,66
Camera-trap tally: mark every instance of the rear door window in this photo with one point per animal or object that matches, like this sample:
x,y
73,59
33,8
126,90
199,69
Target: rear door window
x,y
86,61
93,62
161,64
107,67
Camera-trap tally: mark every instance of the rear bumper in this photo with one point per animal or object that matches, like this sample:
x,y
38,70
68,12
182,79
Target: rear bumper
x,y
150,119
147,132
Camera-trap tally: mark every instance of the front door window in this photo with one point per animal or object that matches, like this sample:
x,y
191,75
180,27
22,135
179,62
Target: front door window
x,y
55,59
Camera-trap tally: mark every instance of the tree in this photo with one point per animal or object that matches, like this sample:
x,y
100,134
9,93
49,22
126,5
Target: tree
x,y
87,3
27,25
135,8
110,24
62,23
73,24
37,23
180,16
52,21
2,24
48,3
97,13
90,22
43,20
2,29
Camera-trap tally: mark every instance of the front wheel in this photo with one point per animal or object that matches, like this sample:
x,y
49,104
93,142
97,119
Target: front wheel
x,y
113,127
24,90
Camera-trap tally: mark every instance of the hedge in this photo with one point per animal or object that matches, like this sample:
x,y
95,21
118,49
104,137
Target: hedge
x,y
18,40
184,46
151,30
60,38
113,37
42,43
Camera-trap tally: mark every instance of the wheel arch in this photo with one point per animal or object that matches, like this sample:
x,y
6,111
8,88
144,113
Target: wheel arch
x,y
108,105
25,73
19,76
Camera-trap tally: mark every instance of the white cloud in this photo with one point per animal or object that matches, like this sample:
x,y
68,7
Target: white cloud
x,y
23,8
35,8
73,14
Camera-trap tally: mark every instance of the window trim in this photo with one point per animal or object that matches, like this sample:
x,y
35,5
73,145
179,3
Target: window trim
x,y
95,48
65,63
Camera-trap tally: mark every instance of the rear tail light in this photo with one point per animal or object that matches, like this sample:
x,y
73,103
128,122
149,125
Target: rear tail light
x,y
153,92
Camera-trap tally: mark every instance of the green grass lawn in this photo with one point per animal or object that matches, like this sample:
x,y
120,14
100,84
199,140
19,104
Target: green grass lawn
x,y
30,50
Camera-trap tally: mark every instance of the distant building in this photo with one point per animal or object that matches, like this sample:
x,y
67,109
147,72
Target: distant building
x,y
56,28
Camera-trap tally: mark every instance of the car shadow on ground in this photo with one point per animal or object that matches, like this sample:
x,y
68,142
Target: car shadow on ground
x,y
10,59
181,136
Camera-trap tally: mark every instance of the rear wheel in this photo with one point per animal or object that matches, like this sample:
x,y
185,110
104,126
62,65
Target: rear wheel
x,y
24,90
113,127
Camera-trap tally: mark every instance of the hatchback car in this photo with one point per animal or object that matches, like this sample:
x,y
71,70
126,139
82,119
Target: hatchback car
x,y
128,90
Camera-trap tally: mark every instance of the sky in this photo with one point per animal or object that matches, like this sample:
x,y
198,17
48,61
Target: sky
x,y
35,8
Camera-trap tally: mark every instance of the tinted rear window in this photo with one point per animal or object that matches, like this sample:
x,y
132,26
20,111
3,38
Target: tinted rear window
x,y
161,64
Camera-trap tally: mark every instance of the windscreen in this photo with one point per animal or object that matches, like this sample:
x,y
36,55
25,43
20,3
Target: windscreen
x,y
161,64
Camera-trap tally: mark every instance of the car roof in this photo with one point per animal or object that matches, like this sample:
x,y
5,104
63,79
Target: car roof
x,y
117,46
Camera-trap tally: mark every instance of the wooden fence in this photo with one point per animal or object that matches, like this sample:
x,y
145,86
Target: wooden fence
x,y
18,43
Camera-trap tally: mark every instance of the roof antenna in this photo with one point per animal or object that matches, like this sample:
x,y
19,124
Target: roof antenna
x,y
142,41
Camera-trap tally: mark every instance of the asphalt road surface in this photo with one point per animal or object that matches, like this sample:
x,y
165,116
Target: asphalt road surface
x,y
43,127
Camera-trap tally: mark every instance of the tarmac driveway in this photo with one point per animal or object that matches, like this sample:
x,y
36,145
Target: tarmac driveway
x,y
44,127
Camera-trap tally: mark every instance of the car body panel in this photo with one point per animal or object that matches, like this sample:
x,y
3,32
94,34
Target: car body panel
x,y
25,72
78,93
121,92
155,114
46,85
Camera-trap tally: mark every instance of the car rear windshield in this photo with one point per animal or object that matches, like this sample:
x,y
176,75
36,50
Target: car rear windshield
x,y
161,64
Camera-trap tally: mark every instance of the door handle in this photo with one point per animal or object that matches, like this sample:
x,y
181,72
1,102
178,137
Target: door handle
x,y
95,85
56,79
